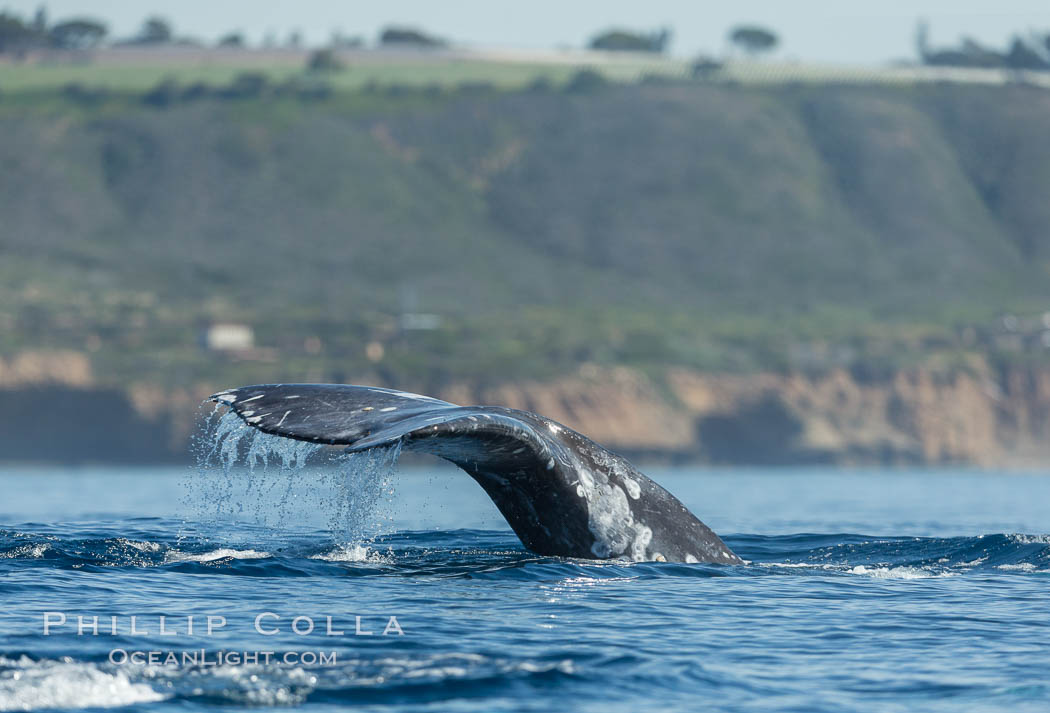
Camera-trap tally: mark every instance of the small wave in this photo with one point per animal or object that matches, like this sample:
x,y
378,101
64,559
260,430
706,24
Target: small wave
x,y
875,571
1020,567
351,553
103,552
393,672
351,678
222,553
31,551
1030,539
799,565
898,572
249,685
896,557
27,685
140,546
591,581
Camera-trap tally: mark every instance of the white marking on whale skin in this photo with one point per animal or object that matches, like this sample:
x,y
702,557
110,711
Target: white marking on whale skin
x,y
282,419
632,487
643,536
247,413
253,398
293,396
553,427
657,557
609,515
369,408
255,419
580,491
389,408
550,464
226,397
519,450
689,559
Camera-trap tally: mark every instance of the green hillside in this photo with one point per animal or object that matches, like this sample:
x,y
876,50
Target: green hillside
x,y
650,224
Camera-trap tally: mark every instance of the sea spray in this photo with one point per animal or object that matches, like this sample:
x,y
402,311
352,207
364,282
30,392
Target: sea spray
x,y
276,484
363,487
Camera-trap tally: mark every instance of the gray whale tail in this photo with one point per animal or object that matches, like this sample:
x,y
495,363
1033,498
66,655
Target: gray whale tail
x,y
562,494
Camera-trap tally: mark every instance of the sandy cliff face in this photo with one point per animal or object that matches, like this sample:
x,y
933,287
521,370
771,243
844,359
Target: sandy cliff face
x,y
1023,424
914,418
37,368
615,406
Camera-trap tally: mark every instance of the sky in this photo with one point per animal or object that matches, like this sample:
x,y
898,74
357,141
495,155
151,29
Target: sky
x,y
835,31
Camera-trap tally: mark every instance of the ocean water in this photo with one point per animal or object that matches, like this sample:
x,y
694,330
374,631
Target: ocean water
x,y
403,590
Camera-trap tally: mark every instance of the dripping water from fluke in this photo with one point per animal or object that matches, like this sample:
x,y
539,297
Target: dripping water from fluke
x,y
255,485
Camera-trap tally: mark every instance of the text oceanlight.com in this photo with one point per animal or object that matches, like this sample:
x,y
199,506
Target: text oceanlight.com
x,y
202,657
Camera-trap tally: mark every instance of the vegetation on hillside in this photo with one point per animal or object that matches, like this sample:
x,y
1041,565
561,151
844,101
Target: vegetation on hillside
x,y
628,41
535,230
1029,51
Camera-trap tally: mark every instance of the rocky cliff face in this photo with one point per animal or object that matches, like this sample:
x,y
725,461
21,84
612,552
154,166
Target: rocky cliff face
x,y
52,409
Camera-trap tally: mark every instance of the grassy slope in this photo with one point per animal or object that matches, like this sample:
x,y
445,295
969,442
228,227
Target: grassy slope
x,y
137,70
647,224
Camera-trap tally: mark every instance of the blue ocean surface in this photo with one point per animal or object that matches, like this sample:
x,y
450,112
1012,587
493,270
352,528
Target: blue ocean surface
x,y
384,590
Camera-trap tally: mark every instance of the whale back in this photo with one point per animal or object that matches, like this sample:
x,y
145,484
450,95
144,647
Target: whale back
x,y
562,494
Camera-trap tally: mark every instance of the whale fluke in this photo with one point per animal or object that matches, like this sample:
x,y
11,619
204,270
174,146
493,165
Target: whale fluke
x,y
562,494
